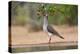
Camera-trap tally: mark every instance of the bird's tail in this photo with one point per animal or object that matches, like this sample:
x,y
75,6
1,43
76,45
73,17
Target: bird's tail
x,y
60,37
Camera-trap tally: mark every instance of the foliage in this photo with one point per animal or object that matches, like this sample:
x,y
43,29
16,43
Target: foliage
x,y
58,14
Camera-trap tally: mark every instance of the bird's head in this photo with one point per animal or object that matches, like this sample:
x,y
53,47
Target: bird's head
x,y
42,12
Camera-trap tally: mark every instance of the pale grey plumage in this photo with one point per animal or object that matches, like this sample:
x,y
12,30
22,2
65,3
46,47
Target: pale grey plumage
x,y
47,28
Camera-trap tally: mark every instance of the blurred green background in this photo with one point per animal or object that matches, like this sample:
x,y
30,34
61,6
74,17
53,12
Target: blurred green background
x,y
24,13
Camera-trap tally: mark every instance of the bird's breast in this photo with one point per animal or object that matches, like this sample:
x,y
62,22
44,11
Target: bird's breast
x,y
44,28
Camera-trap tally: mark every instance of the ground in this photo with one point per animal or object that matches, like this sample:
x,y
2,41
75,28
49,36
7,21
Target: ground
x,y
20,35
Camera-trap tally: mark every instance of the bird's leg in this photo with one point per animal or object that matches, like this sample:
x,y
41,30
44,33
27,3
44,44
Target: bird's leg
x,y
49,39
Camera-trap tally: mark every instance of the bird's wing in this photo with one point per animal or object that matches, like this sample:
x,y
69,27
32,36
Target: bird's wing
x,y
53,31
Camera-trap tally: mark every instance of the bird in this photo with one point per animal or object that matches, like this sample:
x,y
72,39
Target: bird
x,y
49,29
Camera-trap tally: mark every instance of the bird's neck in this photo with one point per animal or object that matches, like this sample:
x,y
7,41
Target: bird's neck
x,y
45,23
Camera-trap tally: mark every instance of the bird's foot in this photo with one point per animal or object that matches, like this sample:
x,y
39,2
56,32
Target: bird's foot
x,y
49,40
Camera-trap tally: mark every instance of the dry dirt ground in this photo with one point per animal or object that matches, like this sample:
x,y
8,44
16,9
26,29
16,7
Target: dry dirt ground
x,y
20,35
